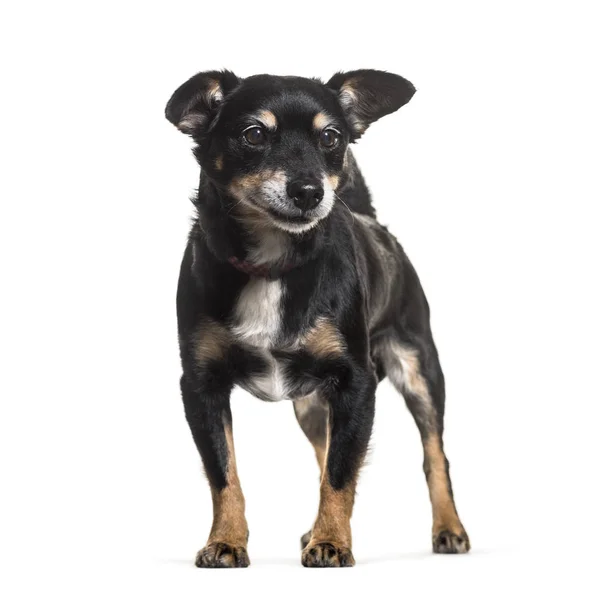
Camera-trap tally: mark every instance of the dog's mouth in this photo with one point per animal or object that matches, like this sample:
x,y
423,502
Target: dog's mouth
x,y
302,218
284,215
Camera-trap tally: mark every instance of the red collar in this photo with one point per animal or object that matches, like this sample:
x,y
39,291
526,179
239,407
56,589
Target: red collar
x,y
259,270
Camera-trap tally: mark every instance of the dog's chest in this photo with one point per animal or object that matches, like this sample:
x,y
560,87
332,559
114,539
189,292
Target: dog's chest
x,y
258,313
256,325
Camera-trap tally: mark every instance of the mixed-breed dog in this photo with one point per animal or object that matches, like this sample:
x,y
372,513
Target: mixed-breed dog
x,y
290,288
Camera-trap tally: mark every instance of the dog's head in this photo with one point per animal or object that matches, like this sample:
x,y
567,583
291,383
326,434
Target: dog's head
x,y
278,145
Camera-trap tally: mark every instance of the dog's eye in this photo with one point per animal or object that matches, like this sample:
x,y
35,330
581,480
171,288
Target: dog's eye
x,y
255,135
329,138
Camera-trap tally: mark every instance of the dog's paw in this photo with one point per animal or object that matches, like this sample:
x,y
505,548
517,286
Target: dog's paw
x,y
219,555
448,542
305,539
326,554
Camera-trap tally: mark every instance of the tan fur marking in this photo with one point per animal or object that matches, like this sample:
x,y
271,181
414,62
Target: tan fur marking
x,y
333,520
324,340
444,511
268,118
229,522
304,407
245,183
320,454
334,181
348,94
245,186
409,361
252,182
211,341
210,96
359,127
320,121
348,98
219,162
214,91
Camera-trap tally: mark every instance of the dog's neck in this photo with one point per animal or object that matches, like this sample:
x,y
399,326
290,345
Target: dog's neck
x,y
233,231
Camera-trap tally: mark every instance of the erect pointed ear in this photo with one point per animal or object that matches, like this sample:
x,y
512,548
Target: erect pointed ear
x,y
195,103
367,95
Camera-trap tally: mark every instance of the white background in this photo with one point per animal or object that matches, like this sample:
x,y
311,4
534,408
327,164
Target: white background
x,y
487,178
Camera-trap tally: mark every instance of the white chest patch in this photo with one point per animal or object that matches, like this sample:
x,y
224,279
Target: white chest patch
x,y
257,321
257,314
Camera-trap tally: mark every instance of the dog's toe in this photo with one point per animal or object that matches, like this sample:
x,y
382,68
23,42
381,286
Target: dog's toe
x,y
305,539
327,554
220,555
448,542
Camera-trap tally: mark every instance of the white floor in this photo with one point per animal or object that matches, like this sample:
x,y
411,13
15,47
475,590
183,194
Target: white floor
x,y
485,573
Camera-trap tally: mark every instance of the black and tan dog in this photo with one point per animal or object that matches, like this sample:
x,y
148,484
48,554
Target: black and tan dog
x,y
291,289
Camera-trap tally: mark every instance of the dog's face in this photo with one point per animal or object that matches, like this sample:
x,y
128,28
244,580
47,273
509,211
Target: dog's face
x,y
278,145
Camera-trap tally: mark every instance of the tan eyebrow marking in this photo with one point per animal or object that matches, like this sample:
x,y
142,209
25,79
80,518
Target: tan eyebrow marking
x,y
321,121
268,118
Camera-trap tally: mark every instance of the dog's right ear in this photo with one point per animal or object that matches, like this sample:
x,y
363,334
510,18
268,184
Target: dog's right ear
x,y
195,103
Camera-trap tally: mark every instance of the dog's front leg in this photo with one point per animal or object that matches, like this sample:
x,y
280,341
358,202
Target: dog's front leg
x,y
207,408
352,409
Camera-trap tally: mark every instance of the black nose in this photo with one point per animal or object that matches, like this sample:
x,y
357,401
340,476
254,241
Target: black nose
x,y
306,194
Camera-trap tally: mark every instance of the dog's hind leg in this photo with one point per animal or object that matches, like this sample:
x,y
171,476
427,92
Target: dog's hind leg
x,y
313,417
415,371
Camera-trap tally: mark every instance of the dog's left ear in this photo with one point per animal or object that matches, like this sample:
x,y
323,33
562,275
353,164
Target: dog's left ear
x,y
367,95
195,103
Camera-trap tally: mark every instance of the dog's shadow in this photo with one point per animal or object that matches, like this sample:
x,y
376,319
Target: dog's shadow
x,y
283,561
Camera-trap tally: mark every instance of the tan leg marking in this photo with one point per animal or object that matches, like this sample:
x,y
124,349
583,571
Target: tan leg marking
x,y
331,537
335,510
313,417
404,370
229,522
309,413
227,542
445,516
320,454
219,162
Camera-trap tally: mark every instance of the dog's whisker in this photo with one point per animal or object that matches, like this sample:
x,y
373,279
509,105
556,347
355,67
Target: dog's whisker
x,y
234,206
346,205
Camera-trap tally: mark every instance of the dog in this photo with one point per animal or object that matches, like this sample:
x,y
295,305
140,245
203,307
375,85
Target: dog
x,y
291,289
